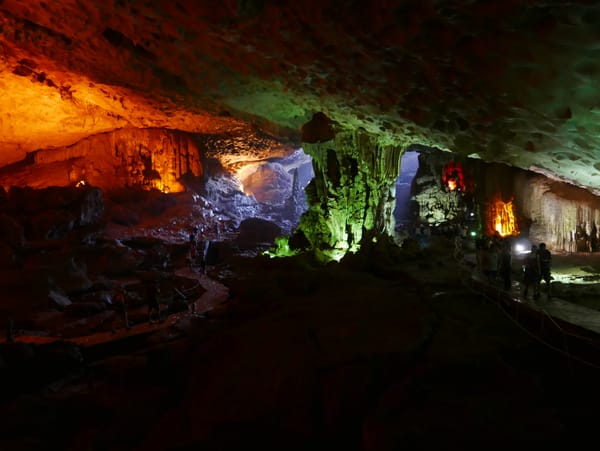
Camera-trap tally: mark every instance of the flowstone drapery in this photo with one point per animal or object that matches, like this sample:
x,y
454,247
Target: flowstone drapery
x,y
352,193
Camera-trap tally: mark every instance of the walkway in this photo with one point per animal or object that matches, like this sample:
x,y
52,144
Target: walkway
x,y
565,327
215,294
555,307
569,312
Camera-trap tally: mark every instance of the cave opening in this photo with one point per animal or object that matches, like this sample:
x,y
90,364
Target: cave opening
x,y
278,184
409,166
255,200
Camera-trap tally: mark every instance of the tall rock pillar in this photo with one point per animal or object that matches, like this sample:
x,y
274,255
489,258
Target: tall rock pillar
x,y
353,191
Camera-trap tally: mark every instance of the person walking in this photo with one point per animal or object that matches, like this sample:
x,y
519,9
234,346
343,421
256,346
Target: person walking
x,y
506,266
490,262
120,302
531,276
192,254
10,331
153,302
545,260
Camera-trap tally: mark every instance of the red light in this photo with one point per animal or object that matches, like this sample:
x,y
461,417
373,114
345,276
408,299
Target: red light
x,y
453,177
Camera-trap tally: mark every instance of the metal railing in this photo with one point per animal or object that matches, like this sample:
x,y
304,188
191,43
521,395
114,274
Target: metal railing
x,y
500,297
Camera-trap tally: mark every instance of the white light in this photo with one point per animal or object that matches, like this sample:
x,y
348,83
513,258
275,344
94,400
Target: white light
x,y
523,247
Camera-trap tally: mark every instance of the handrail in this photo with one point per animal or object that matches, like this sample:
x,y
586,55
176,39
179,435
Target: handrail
x,y
539,338
562,331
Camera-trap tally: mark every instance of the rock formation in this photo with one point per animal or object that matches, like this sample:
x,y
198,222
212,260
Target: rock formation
x,y
353,191
148,158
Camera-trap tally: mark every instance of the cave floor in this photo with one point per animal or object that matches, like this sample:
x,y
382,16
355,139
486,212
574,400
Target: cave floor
x,y
365,355
576,299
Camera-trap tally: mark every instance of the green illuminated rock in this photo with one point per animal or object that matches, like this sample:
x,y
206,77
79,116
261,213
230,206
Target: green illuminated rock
x,y
353,190
282,248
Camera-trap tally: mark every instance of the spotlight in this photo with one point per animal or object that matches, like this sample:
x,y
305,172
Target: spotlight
x,y
523,247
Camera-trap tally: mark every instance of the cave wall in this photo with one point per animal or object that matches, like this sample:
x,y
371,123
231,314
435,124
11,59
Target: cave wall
x,y
557,210
546,210
150,158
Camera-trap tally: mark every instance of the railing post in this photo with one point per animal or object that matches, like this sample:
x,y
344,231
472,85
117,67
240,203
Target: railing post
x,y
566,346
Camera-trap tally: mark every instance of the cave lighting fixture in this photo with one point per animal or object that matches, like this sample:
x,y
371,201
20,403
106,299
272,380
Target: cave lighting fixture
x,y
523,246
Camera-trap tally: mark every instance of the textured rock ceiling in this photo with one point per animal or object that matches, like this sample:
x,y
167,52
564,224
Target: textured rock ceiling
x,y
508,81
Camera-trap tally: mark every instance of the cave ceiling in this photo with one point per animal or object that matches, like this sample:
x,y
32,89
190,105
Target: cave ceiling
x,y
516,82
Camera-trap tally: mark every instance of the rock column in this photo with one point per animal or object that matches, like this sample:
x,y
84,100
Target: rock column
x,y
353,191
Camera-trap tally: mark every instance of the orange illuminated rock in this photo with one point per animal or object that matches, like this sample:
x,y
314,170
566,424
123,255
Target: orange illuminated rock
x,y
501,219
148,158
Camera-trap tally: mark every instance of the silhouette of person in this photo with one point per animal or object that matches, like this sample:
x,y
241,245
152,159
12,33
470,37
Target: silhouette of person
x,y
545,262
506,265
120,301
594,238
153,302
531,277
10,331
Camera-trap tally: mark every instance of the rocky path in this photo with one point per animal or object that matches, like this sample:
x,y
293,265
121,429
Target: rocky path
x,y
215,294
